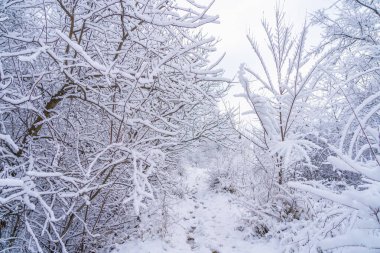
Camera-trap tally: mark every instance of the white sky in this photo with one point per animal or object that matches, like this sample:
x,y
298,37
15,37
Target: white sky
x,y
239,17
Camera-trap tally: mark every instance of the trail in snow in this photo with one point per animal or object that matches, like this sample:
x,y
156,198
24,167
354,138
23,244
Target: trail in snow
x,y
207,223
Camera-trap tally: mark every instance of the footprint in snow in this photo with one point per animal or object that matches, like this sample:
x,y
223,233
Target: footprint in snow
x,y
191,241
192,229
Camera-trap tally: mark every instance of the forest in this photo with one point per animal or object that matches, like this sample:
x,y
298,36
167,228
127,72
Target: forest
x,y
116,134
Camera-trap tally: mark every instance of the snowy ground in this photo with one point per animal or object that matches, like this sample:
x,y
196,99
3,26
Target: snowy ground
x,y
207,223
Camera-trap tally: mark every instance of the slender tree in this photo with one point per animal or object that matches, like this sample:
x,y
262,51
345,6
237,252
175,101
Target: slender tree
x,y
279,92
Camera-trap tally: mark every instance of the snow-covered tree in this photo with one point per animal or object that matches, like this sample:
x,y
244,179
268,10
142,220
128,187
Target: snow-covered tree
x,y
95,99
359,154
352,29
278,91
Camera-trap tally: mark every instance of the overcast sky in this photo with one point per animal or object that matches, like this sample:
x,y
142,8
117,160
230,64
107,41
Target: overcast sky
x,y
239,17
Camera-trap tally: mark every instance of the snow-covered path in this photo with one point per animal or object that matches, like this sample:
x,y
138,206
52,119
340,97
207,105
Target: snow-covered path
x,y
207,222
